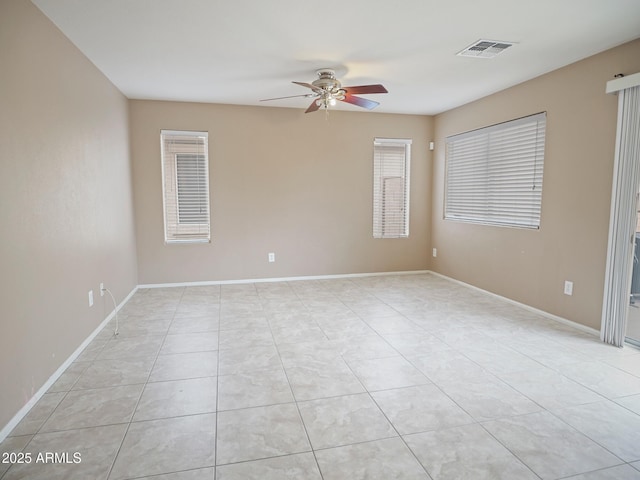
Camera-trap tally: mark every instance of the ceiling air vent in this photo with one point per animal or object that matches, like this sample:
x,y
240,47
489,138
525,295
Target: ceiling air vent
x,y
485,49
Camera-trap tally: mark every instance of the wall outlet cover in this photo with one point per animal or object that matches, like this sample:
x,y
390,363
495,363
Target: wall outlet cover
x,y
568,287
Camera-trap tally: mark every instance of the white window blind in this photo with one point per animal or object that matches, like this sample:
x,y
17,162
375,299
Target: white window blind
x,y
494,174
391,164
185,186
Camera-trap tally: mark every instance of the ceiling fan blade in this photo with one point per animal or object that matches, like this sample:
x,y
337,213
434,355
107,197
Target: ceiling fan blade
x,y
359,89
308,85
290,96
313,107
361,102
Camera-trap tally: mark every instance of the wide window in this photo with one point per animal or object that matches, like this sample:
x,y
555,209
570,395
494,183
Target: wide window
x,y
391,162
494,174
185,186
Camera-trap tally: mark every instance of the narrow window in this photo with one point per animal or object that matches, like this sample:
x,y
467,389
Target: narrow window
x,y
494,174
185,186
391,162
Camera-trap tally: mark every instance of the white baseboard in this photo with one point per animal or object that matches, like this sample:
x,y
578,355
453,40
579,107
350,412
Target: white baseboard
x,y
27,407
52,379
548,315
282,279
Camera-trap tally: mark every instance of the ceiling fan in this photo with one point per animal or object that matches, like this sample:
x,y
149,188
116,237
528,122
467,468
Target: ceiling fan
x,y
327,91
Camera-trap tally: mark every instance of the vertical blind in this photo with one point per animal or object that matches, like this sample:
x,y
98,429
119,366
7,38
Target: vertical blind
x,y
622,223
391,164
185,175
494,174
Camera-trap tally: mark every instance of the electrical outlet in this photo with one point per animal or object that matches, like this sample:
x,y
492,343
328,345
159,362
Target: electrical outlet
x,y
435,252
272,257
568,287
91,298
102,289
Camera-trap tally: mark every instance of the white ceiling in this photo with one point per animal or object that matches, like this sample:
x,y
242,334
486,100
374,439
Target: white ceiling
x,y
241,51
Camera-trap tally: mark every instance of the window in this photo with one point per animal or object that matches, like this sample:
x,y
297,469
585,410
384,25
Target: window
x,y
391,161
494,174
185,186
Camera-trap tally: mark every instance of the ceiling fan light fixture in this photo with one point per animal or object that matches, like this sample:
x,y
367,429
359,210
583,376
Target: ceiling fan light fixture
x,y
328,91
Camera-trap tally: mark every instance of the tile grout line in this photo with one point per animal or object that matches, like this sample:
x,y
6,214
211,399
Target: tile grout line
x,y
476,422
115,457
295,400
215,433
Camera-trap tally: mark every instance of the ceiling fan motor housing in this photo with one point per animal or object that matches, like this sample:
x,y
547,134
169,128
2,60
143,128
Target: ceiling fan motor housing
x,y
327,81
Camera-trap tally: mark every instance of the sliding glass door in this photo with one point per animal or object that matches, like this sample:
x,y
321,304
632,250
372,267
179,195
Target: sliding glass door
x,y
633,320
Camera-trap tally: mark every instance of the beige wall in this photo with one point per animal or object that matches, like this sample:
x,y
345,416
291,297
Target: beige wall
x,y
531,266
65,200
281,181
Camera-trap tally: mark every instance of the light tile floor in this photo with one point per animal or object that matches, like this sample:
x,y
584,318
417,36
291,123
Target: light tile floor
x,y
377,378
